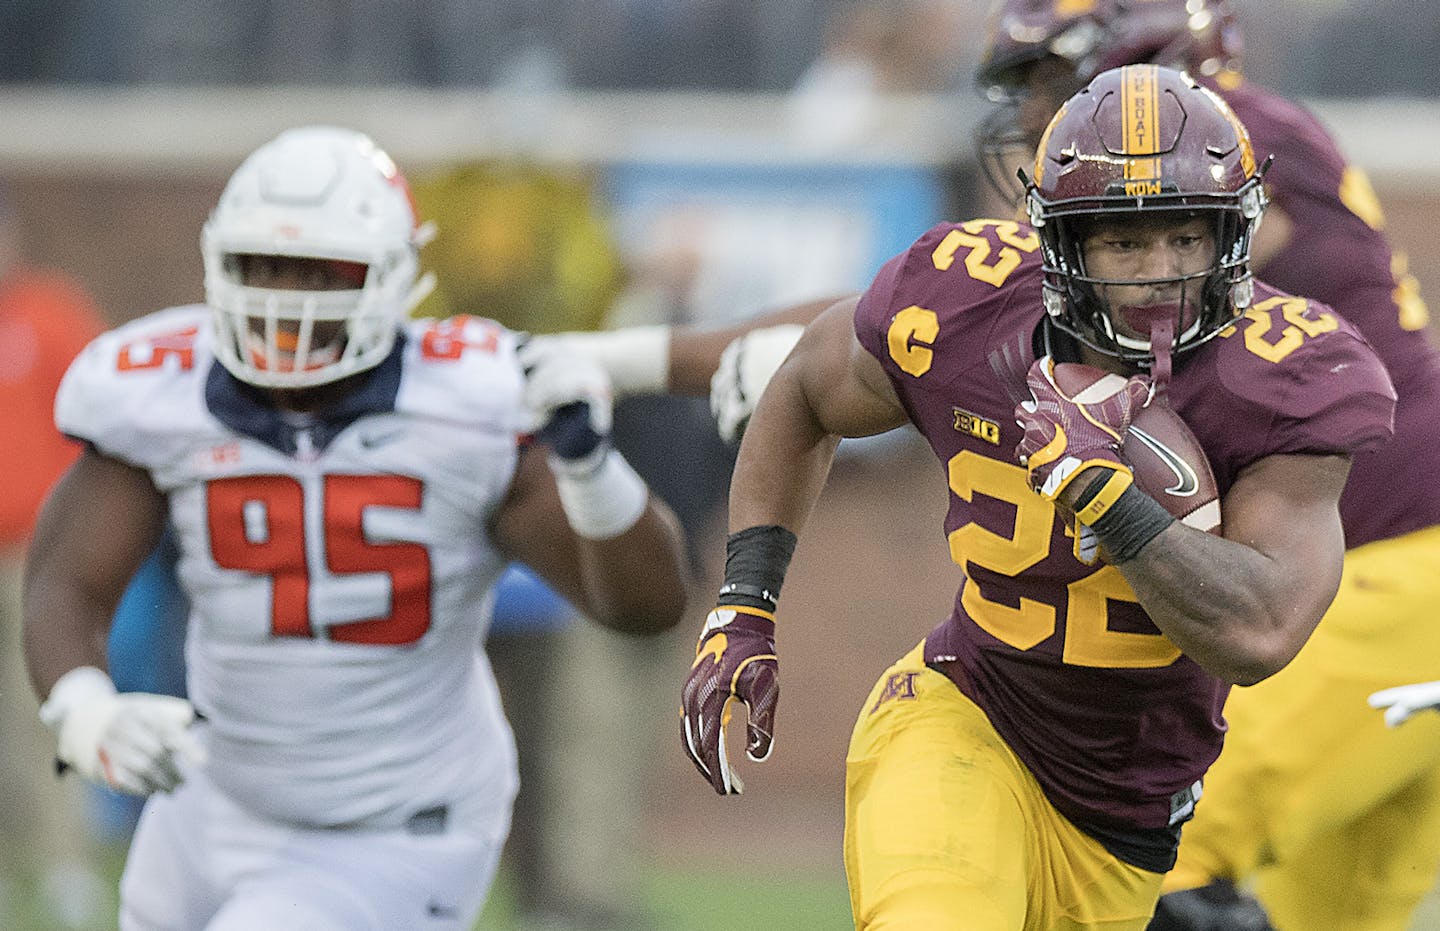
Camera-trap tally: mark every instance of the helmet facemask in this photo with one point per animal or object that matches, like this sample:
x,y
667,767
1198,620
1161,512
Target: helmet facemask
x,y
1025,95
1195,305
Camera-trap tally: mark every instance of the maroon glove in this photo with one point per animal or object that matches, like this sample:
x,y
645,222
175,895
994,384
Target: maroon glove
x,y
1070,428
735,659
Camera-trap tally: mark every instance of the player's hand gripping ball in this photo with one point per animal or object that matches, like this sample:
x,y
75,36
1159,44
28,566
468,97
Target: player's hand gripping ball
x,y
734,661
1164,456
1070,429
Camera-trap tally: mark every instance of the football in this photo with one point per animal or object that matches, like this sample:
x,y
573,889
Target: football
x,y
1169,464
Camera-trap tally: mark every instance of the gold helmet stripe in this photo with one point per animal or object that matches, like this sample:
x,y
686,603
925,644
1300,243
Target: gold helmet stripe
x,y
1140,104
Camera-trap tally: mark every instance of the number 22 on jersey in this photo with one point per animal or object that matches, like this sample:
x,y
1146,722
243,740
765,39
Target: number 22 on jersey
x,y
1088,639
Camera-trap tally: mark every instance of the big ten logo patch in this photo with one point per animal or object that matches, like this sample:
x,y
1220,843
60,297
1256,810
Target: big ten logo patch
x,y
900,686
222,455
976,426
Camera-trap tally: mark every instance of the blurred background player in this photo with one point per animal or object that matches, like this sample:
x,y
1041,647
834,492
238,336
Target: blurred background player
x,y
46,318
1029,765
346,489
1334,819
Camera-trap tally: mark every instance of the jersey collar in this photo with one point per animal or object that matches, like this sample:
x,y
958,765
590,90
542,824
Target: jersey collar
x,y
246,410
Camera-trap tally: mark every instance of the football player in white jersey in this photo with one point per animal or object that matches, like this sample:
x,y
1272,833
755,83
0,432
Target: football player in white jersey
x,y
345,487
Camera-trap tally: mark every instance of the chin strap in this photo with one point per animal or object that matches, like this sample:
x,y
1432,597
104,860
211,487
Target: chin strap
x,y
1162,339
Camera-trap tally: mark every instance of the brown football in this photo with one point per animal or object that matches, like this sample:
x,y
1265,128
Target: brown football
x,y
1169,464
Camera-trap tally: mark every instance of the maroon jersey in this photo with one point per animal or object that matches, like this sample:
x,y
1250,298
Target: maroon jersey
x,y
1115,724
1338,255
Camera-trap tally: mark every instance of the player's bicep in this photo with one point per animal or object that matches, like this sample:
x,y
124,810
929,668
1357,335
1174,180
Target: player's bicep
x,y
1286,507
99,523
843,385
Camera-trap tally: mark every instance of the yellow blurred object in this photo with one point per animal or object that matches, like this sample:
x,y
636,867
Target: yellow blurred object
x,y
526,245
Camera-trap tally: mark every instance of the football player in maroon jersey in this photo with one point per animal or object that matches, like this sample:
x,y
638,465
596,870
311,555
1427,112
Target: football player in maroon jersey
x,y
1029,764
1334,820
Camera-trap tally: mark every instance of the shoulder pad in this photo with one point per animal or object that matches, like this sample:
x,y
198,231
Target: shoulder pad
x,y
953,280
462,368
1325,387
137,382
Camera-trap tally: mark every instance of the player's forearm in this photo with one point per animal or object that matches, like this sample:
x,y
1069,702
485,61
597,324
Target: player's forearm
x,y
1230,608
636,582
694,352
100,522
783,461
63,629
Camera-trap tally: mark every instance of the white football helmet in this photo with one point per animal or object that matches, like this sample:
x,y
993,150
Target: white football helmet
x,y
324,193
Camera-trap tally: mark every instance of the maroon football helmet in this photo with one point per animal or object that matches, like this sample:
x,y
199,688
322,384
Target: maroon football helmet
x,y
1142,140
1076,40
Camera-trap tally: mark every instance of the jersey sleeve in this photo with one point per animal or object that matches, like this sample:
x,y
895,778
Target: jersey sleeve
x,y
872,314
1340,401
1305,377
131,391
464,367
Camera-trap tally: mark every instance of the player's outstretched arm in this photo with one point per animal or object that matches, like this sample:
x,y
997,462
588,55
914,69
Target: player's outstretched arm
x,y
101,521
696,351
577,513
827,388
663,359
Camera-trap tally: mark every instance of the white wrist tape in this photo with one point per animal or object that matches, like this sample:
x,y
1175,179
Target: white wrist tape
x,y
602,495
637,359
81,685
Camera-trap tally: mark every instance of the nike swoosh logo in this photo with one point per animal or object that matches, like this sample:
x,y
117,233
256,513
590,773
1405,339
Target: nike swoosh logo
x,y
380,439
1186,481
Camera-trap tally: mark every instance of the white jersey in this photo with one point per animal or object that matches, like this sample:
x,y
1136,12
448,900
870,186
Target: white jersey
x,y
339,569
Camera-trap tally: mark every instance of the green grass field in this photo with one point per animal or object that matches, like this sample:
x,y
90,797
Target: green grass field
x,y
673,901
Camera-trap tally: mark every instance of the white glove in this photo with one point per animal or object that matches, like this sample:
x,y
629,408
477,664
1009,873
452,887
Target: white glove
x,y
746,367
567,396
1403,701
128,741
636,358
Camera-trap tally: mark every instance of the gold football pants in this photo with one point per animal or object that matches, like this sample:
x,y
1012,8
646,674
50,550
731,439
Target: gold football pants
x,y
946,829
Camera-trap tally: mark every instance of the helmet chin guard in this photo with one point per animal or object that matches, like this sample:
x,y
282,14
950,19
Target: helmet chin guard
x,y
316,192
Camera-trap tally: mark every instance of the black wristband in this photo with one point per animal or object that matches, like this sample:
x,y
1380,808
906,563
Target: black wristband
x,y
1102,475
1131,522
755,562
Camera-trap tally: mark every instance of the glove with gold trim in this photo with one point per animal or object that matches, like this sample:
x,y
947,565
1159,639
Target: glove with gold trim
x,y
1077,419
734,661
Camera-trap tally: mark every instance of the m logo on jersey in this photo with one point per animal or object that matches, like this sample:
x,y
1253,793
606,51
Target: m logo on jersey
x,y
900,686
976,426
